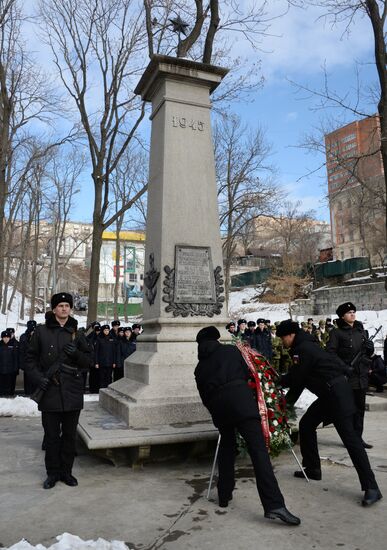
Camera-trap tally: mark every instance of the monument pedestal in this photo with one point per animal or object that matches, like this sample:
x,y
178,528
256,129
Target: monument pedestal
x,y
183,284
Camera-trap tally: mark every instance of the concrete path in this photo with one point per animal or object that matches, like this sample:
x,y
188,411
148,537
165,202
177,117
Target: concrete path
x,y
164,506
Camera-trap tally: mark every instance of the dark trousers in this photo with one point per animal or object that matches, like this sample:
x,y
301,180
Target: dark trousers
x,y
60,429
359,396
105,376
7,385
344,425
29,386
93,380
268,489
118,373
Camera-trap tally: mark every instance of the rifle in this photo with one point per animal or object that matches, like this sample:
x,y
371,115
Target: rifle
x,y
38,394
360,352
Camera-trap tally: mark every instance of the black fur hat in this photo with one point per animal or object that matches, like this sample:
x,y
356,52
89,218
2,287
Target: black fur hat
x,y
61,297
287,327
207,333
344,308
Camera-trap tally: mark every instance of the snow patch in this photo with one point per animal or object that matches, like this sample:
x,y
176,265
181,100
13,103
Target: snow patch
x,y
18,406
68,541
24,406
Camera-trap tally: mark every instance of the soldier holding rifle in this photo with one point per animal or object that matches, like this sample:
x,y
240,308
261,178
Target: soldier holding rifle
x,y
350,342
56,356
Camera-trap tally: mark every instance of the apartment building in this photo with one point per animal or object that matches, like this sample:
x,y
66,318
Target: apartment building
x,y
356,190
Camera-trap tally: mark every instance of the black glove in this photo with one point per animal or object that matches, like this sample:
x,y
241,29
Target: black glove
x,y
369,347
44,383
70,349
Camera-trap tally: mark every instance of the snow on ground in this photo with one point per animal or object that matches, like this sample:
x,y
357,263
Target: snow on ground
x,y
68,541
24,406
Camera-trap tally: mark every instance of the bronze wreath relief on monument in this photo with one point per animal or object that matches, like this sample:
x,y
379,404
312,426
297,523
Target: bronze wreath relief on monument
x,y
193,287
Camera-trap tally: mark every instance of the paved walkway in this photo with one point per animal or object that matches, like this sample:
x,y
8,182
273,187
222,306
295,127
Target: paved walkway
x,y
164,506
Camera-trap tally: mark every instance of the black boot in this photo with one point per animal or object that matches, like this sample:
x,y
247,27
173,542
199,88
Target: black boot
x,y
69,480
50,482
371,496
311,474
284,515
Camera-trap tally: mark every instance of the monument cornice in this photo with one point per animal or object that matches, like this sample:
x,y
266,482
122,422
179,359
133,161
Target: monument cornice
x,y
177,68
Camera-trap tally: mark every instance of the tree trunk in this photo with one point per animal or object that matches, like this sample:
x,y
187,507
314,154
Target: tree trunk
x,y
5,285
15,284
118,273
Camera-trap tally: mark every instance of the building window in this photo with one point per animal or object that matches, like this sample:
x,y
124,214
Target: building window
x,y
349,137
351,253
132,277
342,254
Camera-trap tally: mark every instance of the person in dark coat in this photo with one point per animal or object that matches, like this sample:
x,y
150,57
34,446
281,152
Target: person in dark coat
x,y
222,381
94,373
9,365
115,327
24,341
345,342
125,348
14,344
249,333
136,330
262,340
326,376
105,356
57,343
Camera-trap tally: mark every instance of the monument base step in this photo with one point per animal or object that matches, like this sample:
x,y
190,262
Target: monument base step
x,y
111,437
376,402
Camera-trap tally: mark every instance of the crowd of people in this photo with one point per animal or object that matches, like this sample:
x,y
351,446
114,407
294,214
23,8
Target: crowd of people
x,y
111,344
331,360
262,336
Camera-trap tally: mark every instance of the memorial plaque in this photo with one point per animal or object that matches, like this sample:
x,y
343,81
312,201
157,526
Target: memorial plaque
x,y
194,275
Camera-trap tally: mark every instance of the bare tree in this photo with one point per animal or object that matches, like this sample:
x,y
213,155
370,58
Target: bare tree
x,y
245,182
97,47
26,98
343,13
293,233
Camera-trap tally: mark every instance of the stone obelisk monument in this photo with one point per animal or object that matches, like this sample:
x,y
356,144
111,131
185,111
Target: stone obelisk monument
x,y
183,281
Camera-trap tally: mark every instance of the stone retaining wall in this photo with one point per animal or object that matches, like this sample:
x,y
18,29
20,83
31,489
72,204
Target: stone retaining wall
x,y
370,296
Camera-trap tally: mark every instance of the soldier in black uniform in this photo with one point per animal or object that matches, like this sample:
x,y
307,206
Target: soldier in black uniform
x,y
346,341
221,378
94,373
326,376
115,327
56,344
24,341
9,365
105,356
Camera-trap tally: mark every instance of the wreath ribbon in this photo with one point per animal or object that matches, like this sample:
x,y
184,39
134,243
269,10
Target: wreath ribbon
x,y
249,355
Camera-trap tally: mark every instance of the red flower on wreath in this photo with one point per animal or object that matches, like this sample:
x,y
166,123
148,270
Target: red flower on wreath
x,y
272,429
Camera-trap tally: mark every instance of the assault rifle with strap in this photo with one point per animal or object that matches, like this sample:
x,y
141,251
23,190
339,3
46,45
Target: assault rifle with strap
x,y
52,374
361,351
